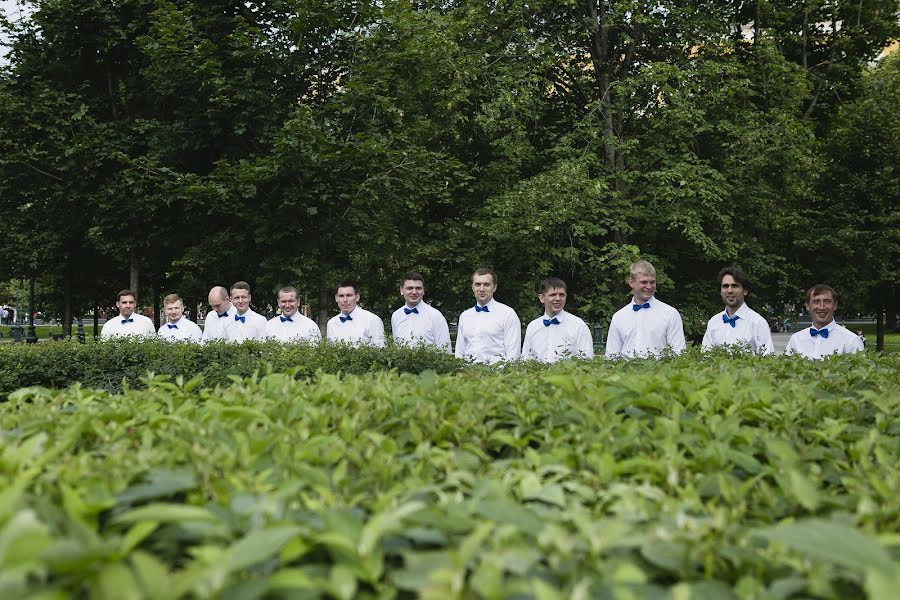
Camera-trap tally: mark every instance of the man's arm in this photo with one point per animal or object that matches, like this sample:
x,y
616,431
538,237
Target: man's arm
x,y
708,337
377,331
584,343
442,333
763,337
613,339
512,336
460,338
675,334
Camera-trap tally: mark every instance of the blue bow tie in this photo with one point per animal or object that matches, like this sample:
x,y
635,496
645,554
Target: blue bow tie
x,y
637,307
823,332
345,319
240,318
171,325
410,310
730,321
283,319
223,315
549,322
481,308
127,321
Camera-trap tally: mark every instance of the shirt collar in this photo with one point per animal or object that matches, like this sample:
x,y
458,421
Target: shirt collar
x,y
416,305
560,316
741,312
651,301
491,303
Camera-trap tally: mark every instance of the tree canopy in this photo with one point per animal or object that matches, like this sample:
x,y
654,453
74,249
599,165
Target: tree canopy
x,y
183,144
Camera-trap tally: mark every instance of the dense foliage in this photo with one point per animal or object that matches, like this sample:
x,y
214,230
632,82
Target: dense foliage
x,y
109,365
184,144
695,477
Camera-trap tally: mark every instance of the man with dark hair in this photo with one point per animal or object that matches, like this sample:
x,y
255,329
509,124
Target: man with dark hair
x,y
178,327
557,334
490,331
416,322
290,325
128,323
738,323
248,324
825,337
354,324
220,318
645,326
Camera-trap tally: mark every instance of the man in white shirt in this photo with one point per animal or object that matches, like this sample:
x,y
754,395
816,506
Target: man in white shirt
x,y
177,327
645,326
557,334
248,324
219,319
417,322
825,337
738,324
290,325
128,323
354,324
490,331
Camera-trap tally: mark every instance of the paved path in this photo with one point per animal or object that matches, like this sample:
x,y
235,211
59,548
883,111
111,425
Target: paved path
x,y
780,340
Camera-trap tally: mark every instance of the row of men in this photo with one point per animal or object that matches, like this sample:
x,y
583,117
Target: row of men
x,y
490,331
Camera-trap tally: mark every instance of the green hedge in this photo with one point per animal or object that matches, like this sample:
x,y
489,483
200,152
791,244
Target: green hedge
x,y
104,365
695,477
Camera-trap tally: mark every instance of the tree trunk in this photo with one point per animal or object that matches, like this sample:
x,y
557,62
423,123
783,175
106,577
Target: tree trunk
x,y
879,329
96,319
324,289
135,274
67,299
156,307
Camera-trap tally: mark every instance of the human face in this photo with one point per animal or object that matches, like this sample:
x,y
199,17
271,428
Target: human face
x,y
643,286
174,310
821,308
484,287
287,302
241,300
346,298
412,291
554,301
126,304
218,303
733,294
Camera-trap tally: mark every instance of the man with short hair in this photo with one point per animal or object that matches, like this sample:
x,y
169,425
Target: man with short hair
x,y
417,322
490,331
219,319
128,323
248,324
645,326
354,324
825,337
290,325
178,328
738,324
557,334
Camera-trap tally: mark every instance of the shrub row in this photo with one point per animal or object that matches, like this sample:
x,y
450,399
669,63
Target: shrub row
x,y
695,477
105,365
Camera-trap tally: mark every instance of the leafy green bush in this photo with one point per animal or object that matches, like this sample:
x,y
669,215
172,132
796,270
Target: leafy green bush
x,y
717,476
104,365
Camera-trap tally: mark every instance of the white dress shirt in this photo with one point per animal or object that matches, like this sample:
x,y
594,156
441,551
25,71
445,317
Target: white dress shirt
x,y
425,326
751,330
217,327
840,341
645,332
300,328
363,327
117,327
489,337
550,343
185,330
253,327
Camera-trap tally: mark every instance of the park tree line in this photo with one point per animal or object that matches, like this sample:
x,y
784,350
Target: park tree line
x,y
171,146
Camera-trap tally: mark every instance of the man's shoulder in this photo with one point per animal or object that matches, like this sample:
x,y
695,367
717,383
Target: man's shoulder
x,y
505,309
535,324
665,307
138,318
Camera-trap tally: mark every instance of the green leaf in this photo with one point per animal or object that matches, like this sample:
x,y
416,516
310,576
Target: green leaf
x,y
258,545
833,543
166,513
116,582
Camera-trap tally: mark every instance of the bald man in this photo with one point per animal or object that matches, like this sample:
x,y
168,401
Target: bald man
x,y
220,318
